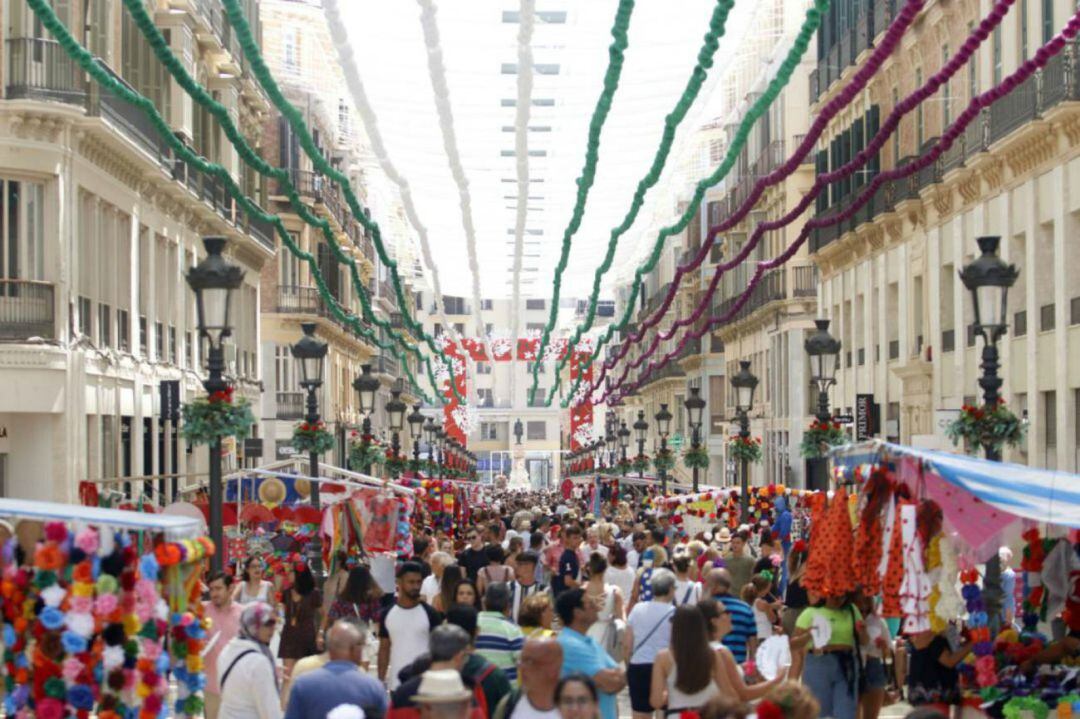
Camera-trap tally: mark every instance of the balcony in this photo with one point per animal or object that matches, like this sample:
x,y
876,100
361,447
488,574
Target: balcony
x,y
26,310
39,69
290,405
387,364
771,288
804,281
305,182
672,370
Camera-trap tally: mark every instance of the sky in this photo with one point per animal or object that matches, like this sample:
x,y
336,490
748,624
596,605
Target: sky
x,y
664,38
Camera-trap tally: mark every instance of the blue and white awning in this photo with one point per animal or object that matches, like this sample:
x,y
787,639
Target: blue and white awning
x,y
1038,494
173,527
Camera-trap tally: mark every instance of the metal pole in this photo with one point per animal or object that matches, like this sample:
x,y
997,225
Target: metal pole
x,y
695,444
823,413
315,546
365,439
990,383
641,453
663,472
215,382
416,456
744,484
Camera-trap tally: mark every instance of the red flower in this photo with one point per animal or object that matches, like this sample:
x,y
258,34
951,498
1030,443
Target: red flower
x,y
768,710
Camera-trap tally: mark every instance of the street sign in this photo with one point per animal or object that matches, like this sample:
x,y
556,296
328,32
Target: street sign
x,y
676,442
843,419
864,416
253,448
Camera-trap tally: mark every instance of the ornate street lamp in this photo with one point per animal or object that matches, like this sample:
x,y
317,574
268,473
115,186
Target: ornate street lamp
x,y
366,386
416,430
744,383
824,351
395,413
624,438
989,279
641,430
663,427
213,281
310,353
440,441
695,410
429,437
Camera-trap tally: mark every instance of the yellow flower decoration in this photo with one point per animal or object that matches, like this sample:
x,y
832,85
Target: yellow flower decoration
x,y
82,589
132,625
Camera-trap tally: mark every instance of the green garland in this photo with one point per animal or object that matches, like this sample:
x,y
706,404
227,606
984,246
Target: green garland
x,y
395,464
783,76
820,438
208,419
640,463
748,449
365,456
696,458
978,426
623,467
664,461
308,438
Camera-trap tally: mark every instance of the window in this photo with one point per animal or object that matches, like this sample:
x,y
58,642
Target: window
x,y
971,335
489,431
946,93
104,326
894,349
536,430
291,43
21,233
489,329
159,342
143,339
483,368
85,320
535,304
454,305
892,422
1046,318
1050,428
716,151
540,398
123,331
174,356
487,305
484,397
973,84
140,68
1023,30
997,55
1047,21
539,367
1074,311
1020,323
948,340
896,135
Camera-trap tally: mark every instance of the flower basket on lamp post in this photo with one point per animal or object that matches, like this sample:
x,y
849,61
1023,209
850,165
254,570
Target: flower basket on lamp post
x,y
640,463
664,461
207,419
311,437
995,427
745,448
696,458
820,438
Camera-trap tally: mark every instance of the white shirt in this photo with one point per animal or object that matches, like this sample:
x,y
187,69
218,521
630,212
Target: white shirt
x,y
598,549
651,623
687,592
429,588
525,710
408,631
633,559
621,578
250,692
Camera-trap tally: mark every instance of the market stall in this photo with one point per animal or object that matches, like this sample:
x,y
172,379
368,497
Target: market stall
x,y
90,596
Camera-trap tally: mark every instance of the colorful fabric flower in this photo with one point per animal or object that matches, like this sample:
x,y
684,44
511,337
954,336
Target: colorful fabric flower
x,y
73,643
52,596
51,618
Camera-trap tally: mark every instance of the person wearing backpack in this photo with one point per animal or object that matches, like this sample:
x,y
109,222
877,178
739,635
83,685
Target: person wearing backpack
x,y
648,631
540,666
449,648
488,681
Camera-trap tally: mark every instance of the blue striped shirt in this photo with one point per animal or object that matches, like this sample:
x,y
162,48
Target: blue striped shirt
x,y
743,626
499,641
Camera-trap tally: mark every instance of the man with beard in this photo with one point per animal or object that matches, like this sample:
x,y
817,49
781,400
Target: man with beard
x,y
405,627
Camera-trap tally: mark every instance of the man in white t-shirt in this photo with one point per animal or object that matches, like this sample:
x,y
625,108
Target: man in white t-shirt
x,y
405,627
431,586
648,631
540,663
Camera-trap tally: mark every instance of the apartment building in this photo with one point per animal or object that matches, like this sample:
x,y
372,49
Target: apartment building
x,y
889,275
98,339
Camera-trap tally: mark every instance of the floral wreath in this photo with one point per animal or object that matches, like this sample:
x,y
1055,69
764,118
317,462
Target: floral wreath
x,y
395,463
664,461
820,437
311,437
696,458
995,426
745,448
640,463
365,452
208,419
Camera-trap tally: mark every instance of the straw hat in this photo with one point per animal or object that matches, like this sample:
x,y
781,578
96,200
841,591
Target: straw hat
x,y
441,686
302,487
724,536
272,491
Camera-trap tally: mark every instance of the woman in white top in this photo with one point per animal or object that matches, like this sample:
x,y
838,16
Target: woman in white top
x,y
618,573
609,601
253,588
686,675
729,674
247,672
687,591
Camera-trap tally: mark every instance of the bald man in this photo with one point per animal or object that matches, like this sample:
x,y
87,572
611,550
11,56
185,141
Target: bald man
x,y
538,667
340,681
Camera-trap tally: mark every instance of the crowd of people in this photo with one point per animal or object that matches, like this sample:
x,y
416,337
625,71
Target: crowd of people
x,y
541,609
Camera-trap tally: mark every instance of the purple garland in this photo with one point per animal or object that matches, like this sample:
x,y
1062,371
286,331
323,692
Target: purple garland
x,y
848,94
977,104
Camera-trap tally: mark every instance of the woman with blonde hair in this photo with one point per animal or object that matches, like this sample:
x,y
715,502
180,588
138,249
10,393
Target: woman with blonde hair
x,y
536,616
789,700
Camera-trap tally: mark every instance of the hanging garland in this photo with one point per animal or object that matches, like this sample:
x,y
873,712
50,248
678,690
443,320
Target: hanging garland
x,y
365,453
783,76
820,438
744,448
995,426
1026,70
710,44
208,419
624,466
664,461
308,438
696,458
640,463
395,463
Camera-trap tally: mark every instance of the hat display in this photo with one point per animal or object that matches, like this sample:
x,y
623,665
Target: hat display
x,y
438,686
302,487
272,491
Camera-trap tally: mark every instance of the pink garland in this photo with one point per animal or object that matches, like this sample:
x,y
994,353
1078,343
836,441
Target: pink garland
x,y
1028,68
977,37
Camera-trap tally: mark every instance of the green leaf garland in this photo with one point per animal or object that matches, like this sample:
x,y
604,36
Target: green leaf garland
x,y
696,458
308,438
820,438
978,426
208,419
748,449
664,461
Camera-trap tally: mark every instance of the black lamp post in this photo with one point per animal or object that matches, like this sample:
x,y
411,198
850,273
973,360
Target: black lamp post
x,y
989,279
311,352
416,430
641,429
519,430
366,386
624,438
663,428
429,437
213,281
824,351
744,383
440,441
695,410
609,440
395,413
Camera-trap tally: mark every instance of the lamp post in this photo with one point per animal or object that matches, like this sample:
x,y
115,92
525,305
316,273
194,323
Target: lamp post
x,y
440,440
624,438
395,413
824,352
213,281
311,352
609,441
641,429
663,428
695,409
416,430
429,437
989,278
744,383
366,386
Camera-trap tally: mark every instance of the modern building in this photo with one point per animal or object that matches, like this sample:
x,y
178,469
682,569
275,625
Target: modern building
x,y
890,274
100,223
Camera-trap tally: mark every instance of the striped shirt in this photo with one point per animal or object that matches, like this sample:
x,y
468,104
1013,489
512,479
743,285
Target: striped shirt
x,y
499,641
743,626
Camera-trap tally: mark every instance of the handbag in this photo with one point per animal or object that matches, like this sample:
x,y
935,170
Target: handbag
x,y
614,639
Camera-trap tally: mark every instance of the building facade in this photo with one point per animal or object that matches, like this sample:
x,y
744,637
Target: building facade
x,y
100,224
890,275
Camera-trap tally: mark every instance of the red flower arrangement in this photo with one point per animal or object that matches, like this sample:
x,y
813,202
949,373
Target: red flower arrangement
x,y
821,437
745,448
